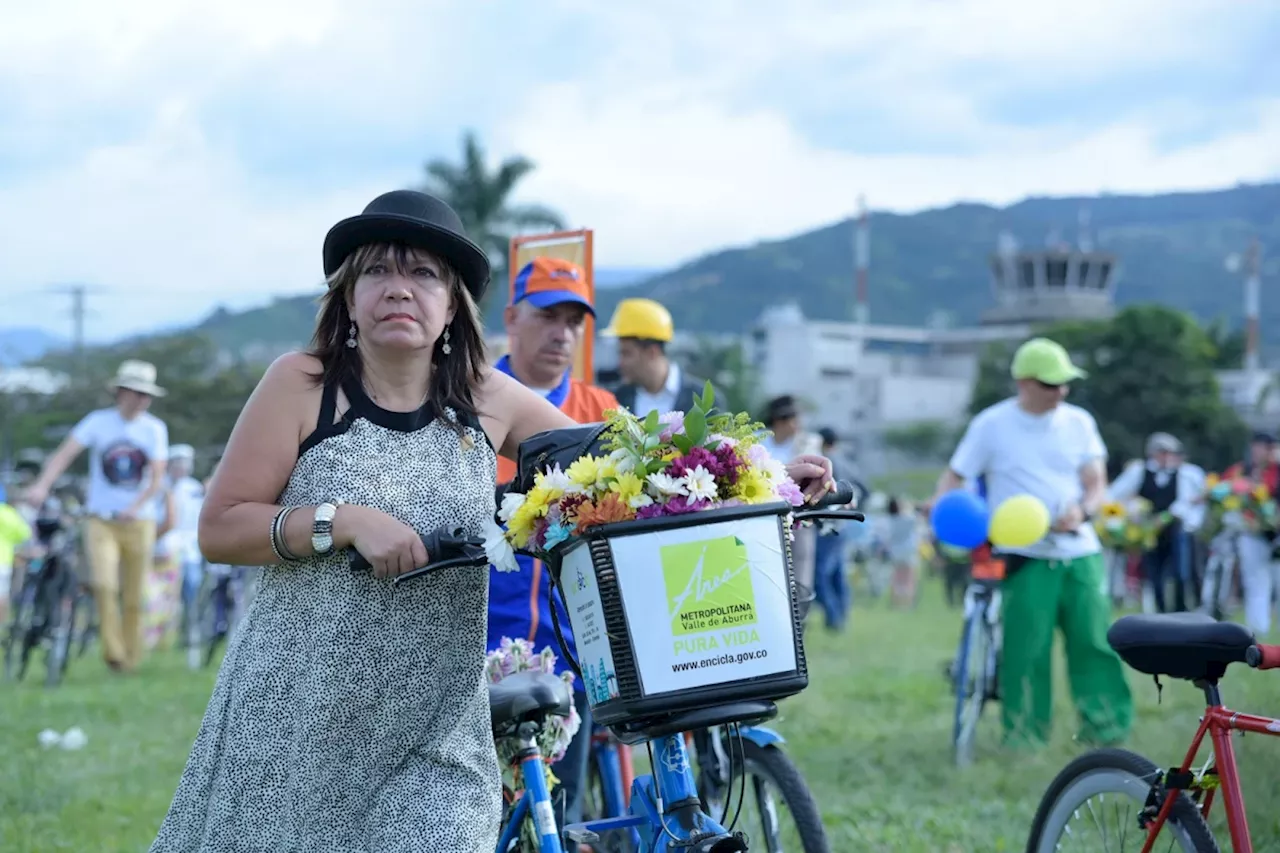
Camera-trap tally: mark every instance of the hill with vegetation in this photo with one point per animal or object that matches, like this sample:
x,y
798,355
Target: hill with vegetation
x,y
1172,249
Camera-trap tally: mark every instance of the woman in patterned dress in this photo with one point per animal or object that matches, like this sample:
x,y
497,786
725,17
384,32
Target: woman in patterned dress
x,y
351,715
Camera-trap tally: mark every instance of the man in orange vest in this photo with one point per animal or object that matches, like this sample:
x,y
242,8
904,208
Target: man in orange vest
x,y
545,322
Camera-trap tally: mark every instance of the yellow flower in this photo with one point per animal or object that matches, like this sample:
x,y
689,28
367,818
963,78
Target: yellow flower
x,y
671,455
1231,503
1113,509
626,486
1261,493
752,488
584,470
1212,480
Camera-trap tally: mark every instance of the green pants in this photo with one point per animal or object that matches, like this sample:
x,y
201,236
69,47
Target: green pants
x,y
1039,596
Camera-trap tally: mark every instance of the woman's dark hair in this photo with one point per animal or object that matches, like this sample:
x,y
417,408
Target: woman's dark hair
x,y
455,375
894,507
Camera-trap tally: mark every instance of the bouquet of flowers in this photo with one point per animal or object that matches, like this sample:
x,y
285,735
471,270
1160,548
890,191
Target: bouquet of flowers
x,y
1239,501
1130,526
514,656
661,466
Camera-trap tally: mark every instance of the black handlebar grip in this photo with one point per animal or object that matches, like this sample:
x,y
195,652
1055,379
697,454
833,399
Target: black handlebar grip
x,y
844,493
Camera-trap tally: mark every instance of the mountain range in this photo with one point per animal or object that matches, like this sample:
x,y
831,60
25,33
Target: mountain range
x,y
1172,248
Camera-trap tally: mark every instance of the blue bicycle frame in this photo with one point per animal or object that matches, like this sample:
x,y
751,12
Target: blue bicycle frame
x,y
664,806
535,802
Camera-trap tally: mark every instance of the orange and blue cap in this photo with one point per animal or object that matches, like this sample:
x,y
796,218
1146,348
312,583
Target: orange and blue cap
x,y
551,281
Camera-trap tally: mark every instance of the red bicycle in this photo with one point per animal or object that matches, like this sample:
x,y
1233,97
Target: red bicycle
x,y
1097,785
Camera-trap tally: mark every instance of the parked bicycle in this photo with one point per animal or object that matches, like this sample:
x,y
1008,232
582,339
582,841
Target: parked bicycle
x,y
219,603
666,808
975,671
51,601
1186,646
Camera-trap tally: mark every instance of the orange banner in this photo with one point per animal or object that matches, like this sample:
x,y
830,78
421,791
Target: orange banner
x,y
572,246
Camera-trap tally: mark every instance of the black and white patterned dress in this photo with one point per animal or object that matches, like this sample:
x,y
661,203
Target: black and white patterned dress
x,y
350,716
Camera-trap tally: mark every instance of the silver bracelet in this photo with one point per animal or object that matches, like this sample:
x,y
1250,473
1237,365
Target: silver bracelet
x,y
279,545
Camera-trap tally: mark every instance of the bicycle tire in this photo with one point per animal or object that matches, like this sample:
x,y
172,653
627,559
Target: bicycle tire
x,y
779,770
975,640
1136,773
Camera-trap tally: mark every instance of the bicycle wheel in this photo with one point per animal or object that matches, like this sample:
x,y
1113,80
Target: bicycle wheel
x,y
769,769
971,681
1114,779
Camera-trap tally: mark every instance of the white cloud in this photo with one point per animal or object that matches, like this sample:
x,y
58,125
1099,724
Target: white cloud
x,y
664,182
663,141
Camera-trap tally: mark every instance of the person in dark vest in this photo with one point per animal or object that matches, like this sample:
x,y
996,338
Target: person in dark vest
x,y
650,379
1168,485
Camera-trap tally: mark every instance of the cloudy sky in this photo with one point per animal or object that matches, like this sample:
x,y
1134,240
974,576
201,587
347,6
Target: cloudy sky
x,y
177,154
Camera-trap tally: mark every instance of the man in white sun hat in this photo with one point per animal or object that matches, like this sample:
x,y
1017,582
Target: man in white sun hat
x,y
128,449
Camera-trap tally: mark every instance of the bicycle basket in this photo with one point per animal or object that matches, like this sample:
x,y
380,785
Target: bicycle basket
x,y
684,613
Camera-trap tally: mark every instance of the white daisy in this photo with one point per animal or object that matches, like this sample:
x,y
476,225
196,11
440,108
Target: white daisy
x,y
640,500
511,501
699,484
498,549
667,485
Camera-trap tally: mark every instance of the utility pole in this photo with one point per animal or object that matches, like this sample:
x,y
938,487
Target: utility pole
x,y
861,260
78,313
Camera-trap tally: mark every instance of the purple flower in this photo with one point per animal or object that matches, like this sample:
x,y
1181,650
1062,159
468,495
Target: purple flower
x,y
672,424
650,511
696,456
725,441
729,464
788,491
680,504
758,455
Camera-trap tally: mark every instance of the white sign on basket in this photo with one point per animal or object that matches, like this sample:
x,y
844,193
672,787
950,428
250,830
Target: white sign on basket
x,y
707,604
586,618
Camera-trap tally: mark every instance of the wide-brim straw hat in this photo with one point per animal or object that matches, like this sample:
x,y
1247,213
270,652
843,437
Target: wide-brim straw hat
x,y
137,376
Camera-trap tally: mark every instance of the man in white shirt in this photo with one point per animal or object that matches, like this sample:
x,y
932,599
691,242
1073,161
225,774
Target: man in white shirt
x,y
1173,486
1038,444
128,448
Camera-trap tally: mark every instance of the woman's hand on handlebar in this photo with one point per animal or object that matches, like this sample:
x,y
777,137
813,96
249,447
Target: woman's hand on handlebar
x,y
391,546
812,473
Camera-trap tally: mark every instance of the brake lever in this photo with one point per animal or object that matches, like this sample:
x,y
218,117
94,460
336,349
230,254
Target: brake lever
x,y
833,514
471,557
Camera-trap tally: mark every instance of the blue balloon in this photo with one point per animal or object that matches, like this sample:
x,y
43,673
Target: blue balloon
x,y
960,518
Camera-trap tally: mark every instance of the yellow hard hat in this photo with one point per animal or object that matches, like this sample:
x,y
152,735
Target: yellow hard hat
x,y
640,318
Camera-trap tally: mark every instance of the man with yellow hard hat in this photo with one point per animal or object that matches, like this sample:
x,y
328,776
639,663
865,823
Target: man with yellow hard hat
x,y
651,380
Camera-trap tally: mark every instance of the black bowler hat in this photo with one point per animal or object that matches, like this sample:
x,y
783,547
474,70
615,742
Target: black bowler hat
x,y
417,220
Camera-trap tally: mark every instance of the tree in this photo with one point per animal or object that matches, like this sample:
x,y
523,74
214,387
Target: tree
x,y
1151,368
205,392
482,199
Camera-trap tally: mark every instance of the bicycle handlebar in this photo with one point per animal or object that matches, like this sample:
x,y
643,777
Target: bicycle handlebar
x,y
446,549
1263,656
844,494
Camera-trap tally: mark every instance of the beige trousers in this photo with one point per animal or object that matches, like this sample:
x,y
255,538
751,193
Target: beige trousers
x,y
120,554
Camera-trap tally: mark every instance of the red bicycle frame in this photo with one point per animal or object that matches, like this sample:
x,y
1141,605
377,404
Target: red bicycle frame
x,y
1219,722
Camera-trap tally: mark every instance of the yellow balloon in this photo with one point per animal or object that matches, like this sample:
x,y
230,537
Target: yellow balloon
x,y
1020,521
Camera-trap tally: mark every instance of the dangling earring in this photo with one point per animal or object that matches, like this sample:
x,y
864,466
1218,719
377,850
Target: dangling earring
x,y
446,349
351,337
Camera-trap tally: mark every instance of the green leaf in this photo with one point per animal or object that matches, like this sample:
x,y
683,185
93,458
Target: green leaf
x,y
683,443
695,427
652,426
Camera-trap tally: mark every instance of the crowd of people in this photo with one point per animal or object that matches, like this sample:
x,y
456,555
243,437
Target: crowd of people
x,y
392,424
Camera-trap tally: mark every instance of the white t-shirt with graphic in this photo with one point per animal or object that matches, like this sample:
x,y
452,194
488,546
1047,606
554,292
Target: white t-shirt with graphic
x,y
1021,453
121,456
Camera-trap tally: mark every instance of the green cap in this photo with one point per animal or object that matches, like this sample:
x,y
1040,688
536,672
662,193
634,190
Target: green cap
x,y
1045,361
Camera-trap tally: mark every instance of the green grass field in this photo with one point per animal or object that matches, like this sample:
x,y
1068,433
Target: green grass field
x,y
871,735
